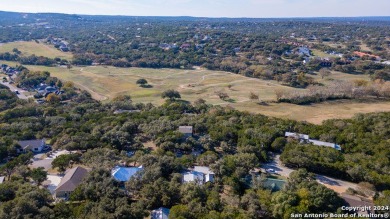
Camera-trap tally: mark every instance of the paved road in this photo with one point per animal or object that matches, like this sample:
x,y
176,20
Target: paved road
x,y
339,186
14,88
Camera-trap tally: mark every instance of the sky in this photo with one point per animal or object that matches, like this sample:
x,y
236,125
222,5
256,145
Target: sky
x,y
204,8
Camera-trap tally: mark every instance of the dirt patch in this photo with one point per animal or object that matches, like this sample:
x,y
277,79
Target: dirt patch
x,y
150,145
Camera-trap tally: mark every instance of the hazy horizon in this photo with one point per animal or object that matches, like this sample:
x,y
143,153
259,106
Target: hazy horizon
x,y
203,8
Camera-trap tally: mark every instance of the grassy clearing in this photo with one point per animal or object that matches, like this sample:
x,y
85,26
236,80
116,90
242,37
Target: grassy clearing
x,y
108,82
105,83
334,45
364,47
39,49
335,75
316,113
322,54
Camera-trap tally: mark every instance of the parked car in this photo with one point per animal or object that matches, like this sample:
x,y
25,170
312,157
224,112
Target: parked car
x,y
17,92
270,170
46,148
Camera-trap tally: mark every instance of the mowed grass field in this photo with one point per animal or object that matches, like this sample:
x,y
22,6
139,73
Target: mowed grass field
x,y
105,83
322,54
39,49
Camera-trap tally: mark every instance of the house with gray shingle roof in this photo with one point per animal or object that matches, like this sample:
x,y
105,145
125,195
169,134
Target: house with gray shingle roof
x,y
70,181
33,145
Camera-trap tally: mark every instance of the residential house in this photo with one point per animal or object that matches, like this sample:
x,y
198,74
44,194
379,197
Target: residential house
x,y
187,131
208,174
206,38
362,54
386,62
2,179
123,174
325,144
44,89
193,176
3,67
64,48
37,145
165,46
199,174
364,206
304,51
297,136
41,88
302,138
185,46
199,46
126,111
70,181
161,213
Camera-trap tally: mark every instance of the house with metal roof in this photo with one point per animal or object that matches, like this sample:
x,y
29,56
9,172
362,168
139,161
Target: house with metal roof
x,y
123,174
296,136
302,138
325,144
70,181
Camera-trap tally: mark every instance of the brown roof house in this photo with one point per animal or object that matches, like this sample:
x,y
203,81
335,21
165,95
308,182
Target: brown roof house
x,y
186,131
33,145
70,181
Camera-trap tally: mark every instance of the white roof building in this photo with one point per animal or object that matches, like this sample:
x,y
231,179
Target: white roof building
x,y
306,139
296,135
193,176
326,144
199,174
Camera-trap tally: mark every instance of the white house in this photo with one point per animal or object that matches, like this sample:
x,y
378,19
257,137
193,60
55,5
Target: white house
x,y
326,144
199,174
296,136
161,213
304,51
208,174
193,176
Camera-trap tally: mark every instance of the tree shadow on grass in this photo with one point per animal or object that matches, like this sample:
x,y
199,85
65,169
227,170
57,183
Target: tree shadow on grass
x,y
146,86
230,100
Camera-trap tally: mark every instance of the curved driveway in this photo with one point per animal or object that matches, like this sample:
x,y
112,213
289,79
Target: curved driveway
x,y
339,186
